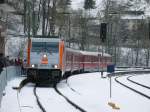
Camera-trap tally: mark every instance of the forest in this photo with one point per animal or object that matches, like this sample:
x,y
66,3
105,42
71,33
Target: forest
x,y
127,33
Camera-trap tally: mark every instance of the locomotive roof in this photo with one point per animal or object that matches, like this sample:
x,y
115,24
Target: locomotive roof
x,y
88,53
45,39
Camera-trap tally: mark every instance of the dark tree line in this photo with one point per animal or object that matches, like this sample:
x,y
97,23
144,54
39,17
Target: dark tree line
x,y
80,28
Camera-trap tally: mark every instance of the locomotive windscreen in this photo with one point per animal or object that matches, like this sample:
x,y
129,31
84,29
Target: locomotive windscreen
x,y
51,47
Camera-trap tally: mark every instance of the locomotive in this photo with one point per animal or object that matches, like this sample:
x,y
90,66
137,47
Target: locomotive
x,y
48,60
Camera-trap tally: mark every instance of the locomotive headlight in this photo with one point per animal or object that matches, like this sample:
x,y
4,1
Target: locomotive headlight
x,y
55,66
32,65
44,55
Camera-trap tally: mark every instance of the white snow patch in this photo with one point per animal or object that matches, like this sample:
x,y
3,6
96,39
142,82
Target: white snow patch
x,y
89,91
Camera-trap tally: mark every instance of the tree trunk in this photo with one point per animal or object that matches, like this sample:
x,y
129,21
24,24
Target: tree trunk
x,y
147,57
137,54
44,16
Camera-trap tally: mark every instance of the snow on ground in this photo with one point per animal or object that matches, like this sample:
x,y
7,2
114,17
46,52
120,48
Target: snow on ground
x,y
7,102
128,100
53,101
134,86
94,95
143,79
90,95
23,101
89,91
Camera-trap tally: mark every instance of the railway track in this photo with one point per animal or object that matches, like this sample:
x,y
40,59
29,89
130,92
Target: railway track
x,y
59,93
69,101
132,89
145,86
72,89
76,106
38,101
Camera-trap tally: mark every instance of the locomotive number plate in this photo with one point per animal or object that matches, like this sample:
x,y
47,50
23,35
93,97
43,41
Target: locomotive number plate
x,y
44,66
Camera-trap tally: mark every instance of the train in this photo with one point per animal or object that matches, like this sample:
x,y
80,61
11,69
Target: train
x,y
48,60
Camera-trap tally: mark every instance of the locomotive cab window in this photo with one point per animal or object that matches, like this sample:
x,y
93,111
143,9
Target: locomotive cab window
x,y
51,47
37,46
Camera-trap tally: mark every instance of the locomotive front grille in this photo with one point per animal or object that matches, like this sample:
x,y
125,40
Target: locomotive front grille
x,y
43,66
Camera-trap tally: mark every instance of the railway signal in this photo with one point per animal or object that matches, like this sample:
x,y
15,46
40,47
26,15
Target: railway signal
x,y
103,31
110,69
